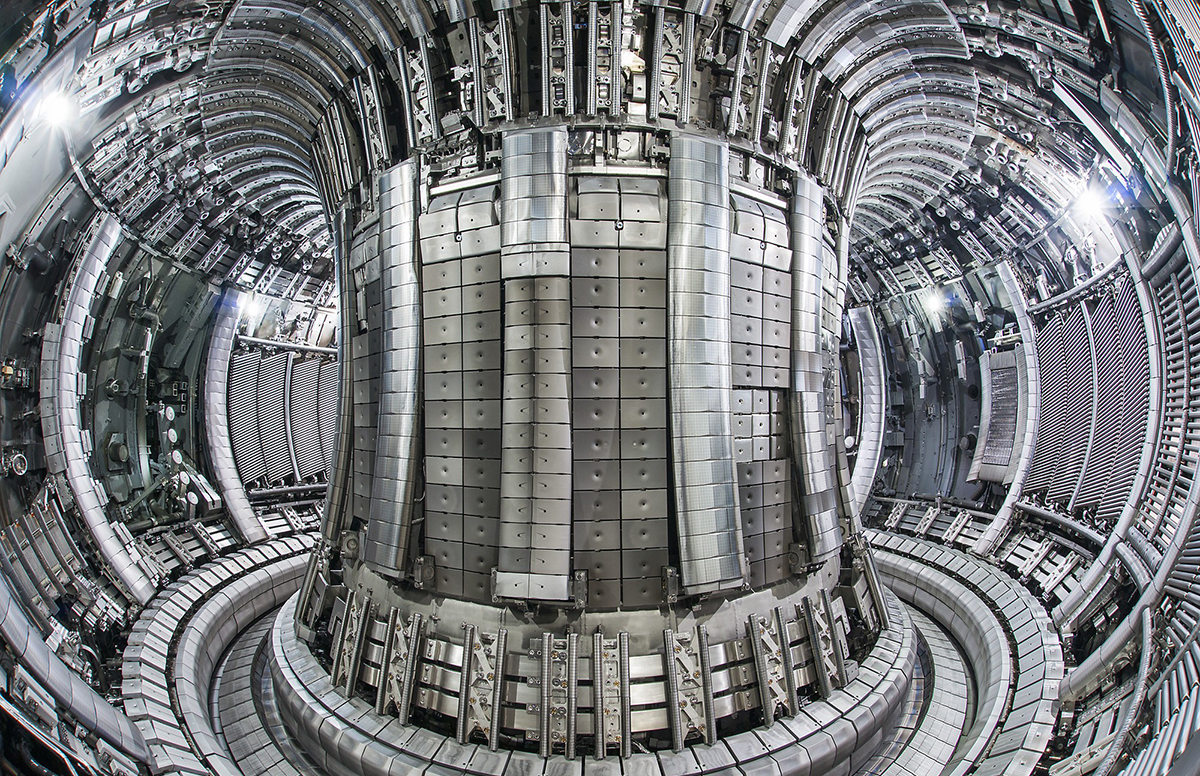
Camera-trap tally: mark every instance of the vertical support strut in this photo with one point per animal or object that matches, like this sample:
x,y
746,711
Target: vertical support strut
x,y
607,690
397,460
401,652
498,666
711,549
558,66
572,693
347,658
626,711
811,450
464,682
544,747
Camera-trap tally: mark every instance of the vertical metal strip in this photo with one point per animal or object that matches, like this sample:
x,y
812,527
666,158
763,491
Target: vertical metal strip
x,y
572,693
839,659
287,415
753,626
824,680
216,381
710,714
810,448
464,683
700,371
339,640
498,664
544,17
416,650
687,64
598,726
872,406
593,55
477,85
393,486
544,742
656,52
381,690
536,460
785,651
674,718
626,710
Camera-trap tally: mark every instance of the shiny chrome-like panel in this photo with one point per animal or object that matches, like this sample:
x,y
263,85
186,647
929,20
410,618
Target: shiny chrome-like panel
x,y
872,405
220,449
393,487
810,442
711,549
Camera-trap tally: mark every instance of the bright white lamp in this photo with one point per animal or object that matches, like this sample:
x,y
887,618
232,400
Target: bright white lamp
x,y
59,109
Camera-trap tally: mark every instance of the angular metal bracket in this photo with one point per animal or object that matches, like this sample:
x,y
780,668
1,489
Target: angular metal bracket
x,y
579,589
558,81
604,58
401,653
347,656
559,694
766,644
481,684
670,584
827,654
689,687
671,69
424,572
607,692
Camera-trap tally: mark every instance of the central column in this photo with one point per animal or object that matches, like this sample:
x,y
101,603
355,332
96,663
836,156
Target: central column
x,y
534,559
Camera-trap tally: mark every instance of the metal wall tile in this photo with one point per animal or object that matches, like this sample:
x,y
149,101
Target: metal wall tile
x,y
594,263
596,536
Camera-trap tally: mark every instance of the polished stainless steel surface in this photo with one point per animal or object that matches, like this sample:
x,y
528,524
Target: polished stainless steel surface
x,y
589,372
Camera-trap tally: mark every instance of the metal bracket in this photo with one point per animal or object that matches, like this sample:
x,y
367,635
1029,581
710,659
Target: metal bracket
x,y
670,584
927,519
559,694
347,656
689,687
827,654
558,81
607,690
424,572
422,110
481,685
401,652
766,641
604,58
671,68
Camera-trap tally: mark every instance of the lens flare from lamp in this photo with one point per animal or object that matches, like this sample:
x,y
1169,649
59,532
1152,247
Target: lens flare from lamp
x,y
58,109
935,302
251,308
1090,204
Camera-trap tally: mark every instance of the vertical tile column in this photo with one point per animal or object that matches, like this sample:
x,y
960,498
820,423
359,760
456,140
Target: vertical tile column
x,y
535,483
396,440
643,389
460,245
712,555
619,299
810,442
482,391
760,260
596,391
